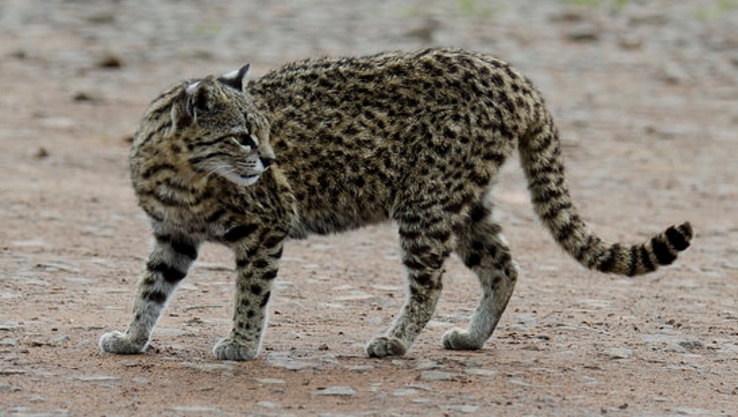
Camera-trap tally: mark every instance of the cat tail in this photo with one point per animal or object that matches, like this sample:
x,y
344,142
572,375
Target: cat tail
x,y
540,156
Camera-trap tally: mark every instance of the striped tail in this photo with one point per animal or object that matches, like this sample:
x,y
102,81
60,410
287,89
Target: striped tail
x,y
540,155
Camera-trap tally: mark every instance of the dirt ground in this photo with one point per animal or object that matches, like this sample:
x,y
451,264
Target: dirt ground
x,y
644,92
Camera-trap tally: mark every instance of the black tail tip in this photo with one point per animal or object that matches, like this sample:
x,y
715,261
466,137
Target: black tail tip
x,y
680,236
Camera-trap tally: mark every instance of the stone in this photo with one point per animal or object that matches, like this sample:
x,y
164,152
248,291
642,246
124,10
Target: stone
x,y
584,32
270,381
359,368
427,364
480,372
404,392
466,409
341,391
436,376
617,353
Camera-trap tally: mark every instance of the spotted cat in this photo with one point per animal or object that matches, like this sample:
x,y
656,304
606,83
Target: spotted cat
x,y
332,144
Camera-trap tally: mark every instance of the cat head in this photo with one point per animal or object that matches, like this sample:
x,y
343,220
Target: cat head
x,y
210,127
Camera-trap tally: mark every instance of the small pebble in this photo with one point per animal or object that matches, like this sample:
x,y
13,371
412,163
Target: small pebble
x,y
466,409
273,381
481,372
110,61
691,344
584,32
341,391
8,388
40,153
86,96
96,378
359,368
404,392
617,353
427,364
436,376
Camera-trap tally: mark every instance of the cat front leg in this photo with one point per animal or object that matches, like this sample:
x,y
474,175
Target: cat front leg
x,y
169,260
257,264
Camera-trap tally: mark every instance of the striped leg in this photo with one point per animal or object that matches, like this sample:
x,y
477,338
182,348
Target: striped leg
x,y
483,249
425,246
168,263
256,267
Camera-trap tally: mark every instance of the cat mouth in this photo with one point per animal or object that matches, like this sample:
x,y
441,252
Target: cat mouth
x,y
248,179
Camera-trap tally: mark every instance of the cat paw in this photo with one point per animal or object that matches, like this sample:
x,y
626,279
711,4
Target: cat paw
x,y
382,346
117,342
231,350
457,339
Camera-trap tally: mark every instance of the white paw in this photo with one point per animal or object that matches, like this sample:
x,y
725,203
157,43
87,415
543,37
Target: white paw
x,y
382,346
117,342
230,350
458,339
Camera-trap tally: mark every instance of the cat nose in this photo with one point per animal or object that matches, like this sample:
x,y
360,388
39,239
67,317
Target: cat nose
x,y
266,161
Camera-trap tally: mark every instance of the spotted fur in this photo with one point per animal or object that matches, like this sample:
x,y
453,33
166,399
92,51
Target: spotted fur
x,y
332,144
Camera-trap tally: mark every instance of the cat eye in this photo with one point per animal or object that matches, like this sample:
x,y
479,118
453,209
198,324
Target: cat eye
x,y
245,141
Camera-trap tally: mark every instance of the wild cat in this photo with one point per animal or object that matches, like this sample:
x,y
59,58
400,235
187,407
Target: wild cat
x,y
332,144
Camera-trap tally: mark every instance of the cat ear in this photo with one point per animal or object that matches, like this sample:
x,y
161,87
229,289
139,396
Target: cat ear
x,y
196,97
236,79
200,96
180,114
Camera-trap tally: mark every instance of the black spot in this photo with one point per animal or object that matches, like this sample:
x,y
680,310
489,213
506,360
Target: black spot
x,y
180,246
546,195
217,214
555,209
408,233
242,262
608,264
250,314
496,282
251,252
565,231
440,235
269,275
412,264
265,299
662,252
454,206
504,259
497,80
645,259
424,280
150,171
157,297
477,213
170,273
261,263
272,241
676,238
278,254
540,143
473,260
256,289
240,232
408,218
436,262
585,249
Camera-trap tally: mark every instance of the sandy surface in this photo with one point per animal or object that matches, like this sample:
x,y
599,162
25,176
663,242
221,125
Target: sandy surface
x,y
645,94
